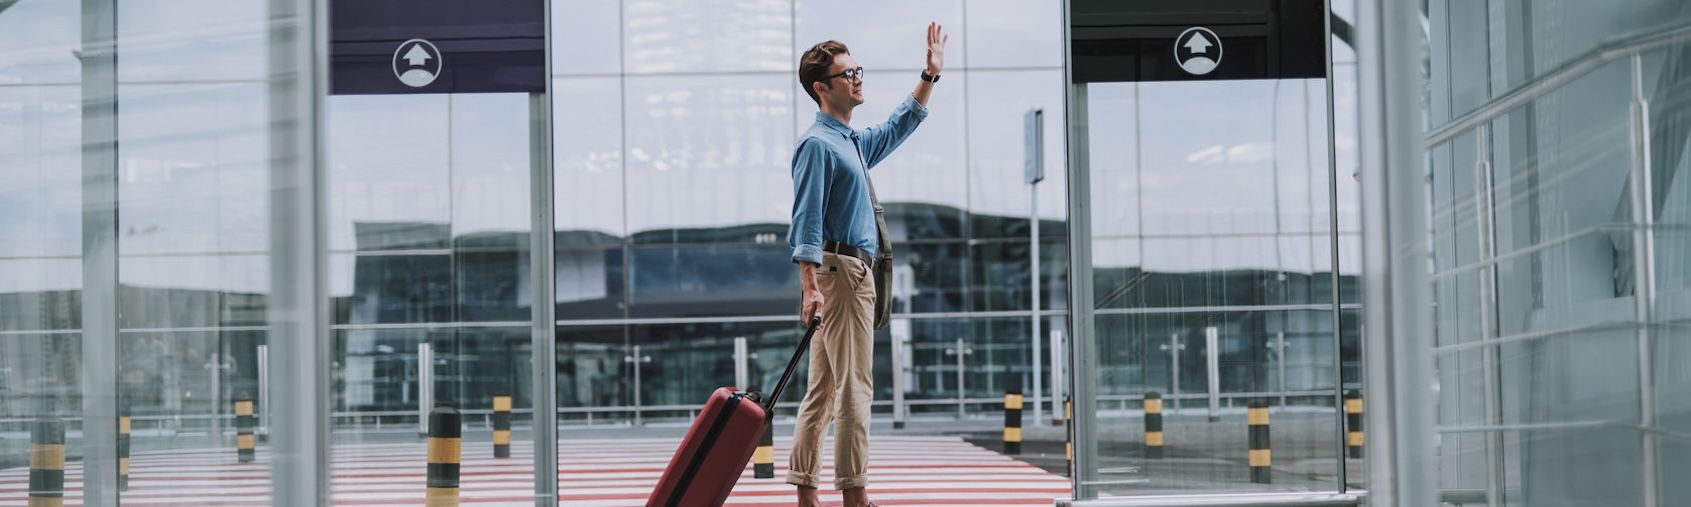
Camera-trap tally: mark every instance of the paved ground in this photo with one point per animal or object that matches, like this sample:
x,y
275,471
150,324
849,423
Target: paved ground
x,y
936,461
929,471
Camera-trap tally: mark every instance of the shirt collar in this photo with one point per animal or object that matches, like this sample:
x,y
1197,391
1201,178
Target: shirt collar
x,y
833,123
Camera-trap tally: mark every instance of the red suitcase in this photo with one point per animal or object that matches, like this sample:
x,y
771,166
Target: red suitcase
x,y
720,442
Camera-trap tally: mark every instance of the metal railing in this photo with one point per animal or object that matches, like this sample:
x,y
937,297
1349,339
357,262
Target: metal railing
x,y
1625,46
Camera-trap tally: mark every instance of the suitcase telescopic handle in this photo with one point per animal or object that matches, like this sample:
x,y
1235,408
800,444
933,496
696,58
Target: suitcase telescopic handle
x,y
792,365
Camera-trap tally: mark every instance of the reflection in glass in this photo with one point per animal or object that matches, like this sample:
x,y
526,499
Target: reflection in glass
x,y
712,280
703,137
670,36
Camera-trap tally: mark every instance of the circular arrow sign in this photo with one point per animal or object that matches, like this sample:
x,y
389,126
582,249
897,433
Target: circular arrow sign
x,y
416,63
1198,50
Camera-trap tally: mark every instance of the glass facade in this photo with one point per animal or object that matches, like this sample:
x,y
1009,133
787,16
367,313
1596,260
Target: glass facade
x,y
1557,208
672,129
1223,244
673,185
170,173
1214,213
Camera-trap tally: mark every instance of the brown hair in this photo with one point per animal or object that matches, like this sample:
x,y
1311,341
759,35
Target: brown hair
x,y
814,65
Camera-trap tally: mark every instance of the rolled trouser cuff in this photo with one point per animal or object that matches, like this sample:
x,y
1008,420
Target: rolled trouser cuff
x,y
855,481
798,478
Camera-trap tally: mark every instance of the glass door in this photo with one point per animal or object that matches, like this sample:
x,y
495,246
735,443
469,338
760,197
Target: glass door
x,y
1210,241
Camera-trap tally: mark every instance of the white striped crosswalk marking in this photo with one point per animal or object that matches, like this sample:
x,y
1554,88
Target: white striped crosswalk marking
x,y
926,471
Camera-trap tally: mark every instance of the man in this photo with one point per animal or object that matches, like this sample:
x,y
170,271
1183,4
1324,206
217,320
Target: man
x,y
834,242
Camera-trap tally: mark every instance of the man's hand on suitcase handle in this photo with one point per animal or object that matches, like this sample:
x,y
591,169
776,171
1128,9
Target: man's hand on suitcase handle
x,y
811,309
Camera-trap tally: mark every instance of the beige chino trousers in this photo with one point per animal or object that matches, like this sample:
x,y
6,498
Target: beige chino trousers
x,y
841,377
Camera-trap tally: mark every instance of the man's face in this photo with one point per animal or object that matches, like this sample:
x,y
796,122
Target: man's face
x,y
838,91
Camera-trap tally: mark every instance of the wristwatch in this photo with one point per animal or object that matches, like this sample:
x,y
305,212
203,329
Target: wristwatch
x,y
931,78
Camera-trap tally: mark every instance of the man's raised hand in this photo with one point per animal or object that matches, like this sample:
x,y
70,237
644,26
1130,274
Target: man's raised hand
x,y
936,48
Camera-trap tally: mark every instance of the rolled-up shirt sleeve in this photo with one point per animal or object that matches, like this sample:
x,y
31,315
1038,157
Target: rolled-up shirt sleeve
x,y
809,199
880,140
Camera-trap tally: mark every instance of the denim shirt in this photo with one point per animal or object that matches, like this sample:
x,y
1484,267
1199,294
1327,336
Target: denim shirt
x,y
830,195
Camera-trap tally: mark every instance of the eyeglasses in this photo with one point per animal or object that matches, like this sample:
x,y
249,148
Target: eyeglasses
x,y
850,75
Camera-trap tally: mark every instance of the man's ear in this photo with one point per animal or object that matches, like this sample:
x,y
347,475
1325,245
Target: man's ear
x,y
820,87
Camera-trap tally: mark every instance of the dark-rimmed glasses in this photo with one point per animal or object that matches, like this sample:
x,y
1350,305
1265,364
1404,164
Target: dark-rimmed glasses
x,y
850,74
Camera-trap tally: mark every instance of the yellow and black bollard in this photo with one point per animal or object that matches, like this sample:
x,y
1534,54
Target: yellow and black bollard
x,y
1153,425
123,428
1353,422
1013,420
47,463
1261,458
763,460
1068,423
246,445
445,440
501,425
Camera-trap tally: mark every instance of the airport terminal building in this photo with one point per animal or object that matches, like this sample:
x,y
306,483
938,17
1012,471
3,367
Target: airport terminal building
x,y
224,264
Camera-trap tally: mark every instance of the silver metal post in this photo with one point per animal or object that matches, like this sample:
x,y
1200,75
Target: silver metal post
x,y
425,386
1280,357
741,378
1033,154
543,375
1174,347
1397,351
264,390
298,312
215,369
637,359
1333,241
1491,367
961,351
1038,375
1644,280
900,331
1083,345
1212,365
1059,375
99,254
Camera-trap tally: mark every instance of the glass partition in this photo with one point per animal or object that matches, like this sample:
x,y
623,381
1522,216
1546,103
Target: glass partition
x,y
1223,270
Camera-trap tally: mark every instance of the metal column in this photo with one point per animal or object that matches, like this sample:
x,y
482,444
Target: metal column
x,y
961,350
1212,367
299,312
1034,161
1644,280
1333,239
543,336
1491,369
1280,357
1038,375
1059,375
637,359
741,376
214,369
900,331
264,392
1174,347
425,386
1397,350
99,255
1083,358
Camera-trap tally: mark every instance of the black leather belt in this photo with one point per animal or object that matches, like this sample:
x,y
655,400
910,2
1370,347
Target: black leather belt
x,y
844,249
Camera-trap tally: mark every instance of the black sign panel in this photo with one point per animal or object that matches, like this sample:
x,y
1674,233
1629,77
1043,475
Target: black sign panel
x,y
1145,40
436,46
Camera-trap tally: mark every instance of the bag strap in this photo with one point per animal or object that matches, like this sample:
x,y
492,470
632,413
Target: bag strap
x,y
804,343
885,240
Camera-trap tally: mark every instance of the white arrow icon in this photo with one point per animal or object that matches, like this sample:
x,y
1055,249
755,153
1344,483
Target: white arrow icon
x,y
417,56
417,62
1203,50
1198,44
